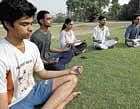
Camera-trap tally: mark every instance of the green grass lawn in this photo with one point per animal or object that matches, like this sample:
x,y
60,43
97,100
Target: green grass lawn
x,y
111,77
110,80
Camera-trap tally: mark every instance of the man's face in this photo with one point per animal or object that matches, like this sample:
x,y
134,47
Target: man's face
x,y
47,21
137,20
22,28
103,21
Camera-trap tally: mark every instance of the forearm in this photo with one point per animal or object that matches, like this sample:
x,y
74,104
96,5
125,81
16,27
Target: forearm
x,y
77,41
52,74
3,101
128,39
60,50
94,40
98,41
56,50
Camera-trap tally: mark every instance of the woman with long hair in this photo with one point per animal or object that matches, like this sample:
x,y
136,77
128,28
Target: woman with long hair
x,y
68,38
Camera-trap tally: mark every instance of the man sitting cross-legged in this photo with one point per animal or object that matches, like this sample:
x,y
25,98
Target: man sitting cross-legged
x,y
20,60
101,35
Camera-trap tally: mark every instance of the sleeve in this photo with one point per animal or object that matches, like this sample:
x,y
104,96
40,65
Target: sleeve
x,y
94,33
49,42
62,39
107,32
3,80
127,33
38,61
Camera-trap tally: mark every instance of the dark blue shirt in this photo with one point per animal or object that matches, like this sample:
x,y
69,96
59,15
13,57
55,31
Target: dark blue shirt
x,y
132,32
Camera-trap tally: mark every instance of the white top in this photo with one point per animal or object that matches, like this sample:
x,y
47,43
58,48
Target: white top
x,y
100,34
20,66
67,37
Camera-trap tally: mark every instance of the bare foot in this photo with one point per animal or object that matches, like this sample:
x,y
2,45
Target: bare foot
x,y
72,96
69,99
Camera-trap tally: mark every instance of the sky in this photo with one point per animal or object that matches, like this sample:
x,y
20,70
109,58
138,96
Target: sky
x,y
56,6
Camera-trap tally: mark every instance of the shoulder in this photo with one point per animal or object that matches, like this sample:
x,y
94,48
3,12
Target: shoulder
x,y
35,34
49,32
4,50
106,27
96,28
63,32
3,44
130,27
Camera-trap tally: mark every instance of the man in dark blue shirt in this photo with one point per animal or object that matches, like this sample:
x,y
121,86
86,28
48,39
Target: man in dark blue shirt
x,y
132,34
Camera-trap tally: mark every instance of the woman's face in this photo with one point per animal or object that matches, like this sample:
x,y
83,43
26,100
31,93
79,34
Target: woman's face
x,y
69,25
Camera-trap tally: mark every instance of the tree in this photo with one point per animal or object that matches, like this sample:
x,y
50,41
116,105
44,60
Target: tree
x,y
133,7
84,10
114,10
60,18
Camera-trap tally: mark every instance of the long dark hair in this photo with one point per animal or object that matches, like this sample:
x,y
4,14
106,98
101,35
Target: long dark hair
x,y
67,21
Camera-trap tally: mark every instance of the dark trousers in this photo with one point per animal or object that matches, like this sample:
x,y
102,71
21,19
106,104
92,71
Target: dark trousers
x,y
63,58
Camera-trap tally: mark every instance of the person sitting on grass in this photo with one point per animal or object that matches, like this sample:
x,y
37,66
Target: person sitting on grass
x,y
20,60
53,58
132,34
101,35
68,38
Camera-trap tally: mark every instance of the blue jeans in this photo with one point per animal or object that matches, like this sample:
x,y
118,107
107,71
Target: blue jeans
x,y
63,58
38,95
54,66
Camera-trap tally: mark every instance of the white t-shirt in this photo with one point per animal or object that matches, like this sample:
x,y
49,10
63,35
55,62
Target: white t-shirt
x,y
16,69
67,37
100,34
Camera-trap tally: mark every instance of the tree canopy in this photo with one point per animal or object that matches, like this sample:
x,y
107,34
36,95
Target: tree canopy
x,y
88,10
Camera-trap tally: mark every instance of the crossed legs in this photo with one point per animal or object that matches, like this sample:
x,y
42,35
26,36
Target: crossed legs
x,y
62,92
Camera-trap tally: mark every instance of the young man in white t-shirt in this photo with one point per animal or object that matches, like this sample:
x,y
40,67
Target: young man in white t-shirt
x,y
101,39
20,60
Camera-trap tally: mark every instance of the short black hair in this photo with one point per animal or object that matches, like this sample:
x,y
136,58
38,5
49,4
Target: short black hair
x,y
12,10
101,17
135,16
41,14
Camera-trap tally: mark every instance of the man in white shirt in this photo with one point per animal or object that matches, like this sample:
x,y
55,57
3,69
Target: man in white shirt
x,y
20,60
101,39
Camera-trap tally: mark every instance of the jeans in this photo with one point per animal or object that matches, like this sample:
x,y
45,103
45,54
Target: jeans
x,y
63,58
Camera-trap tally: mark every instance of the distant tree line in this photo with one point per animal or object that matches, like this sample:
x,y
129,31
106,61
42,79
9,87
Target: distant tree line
x,y
88,10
